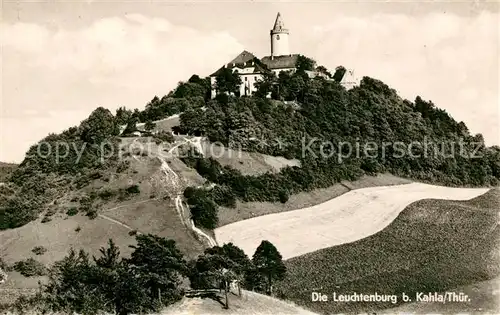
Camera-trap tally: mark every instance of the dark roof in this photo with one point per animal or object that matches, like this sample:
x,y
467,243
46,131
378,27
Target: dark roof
x,y
279,26
243,57
244,60
280,62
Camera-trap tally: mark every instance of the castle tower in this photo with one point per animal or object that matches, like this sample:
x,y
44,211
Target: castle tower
x,y
279,38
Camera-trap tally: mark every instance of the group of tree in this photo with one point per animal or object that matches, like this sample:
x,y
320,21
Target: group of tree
x,y
219,267
350,120
152,277
57,163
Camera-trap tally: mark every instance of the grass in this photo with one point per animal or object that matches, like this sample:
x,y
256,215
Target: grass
x,y
139,212
248,163
433,245
250,303
483,299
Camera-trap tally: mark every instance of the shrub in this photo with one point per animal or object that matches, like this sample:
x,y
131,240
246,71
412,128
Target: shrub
x,y
106,194
46,219
283,196
39,250
30,268
72,211
203,211
133,189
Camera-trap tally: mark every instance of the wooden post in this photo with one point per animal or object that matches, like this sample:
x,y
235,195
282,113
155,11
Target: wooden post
x,y
227,300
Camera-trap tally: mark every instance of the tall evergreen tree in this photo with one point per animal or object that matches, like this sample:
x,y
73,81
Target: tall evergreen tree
x,y
269,263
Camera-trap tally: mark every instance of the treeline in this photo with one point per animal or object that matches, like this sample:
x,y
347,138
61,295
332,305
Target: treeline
x,y
151,278
71,159
191,94
58,163
322,110
272,187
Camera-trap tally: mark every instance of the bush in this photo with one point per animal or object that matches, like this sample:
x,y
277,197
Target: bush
x,y
39,250
204,212
283,196
30,268
46,219
92,214
133,189
106,194
72,211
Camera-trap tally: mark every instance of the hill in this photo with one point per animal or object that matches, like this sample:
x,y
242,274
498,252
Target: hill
x,y
171,170
433,245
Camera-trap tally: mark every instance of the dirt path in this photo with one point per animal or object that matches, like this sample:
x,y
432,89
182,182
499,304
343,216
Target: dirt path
x,y
352,216
116,221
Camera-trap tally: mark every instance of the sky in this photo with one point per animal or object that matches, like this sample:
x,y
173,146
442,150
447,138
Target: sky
x,y
60,60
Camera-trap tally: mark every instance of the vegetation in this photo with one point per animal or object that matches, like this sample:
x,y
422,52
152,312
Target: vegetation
x,y
30,268
59,163
144,283
432,246
39,250
268,263
348,121
316,111
228,82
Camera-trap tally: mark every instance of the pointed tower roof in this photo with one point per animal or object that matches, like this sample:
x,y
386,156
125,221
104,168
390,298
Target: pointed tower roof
x,y
279,26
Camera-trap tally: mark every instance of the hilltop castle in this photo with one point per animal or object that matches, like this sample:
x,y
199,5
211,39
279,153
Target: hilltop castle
x,y
279,60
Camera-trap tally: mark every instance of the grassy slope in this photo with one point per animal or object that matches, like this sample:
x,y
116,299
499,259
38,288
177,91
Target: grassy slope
x,y
483,298
247,210
140,212
250,303
433,245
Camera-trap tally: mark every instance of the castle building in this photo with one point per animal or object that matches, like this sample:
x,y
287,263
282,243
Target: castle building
x,y
251,69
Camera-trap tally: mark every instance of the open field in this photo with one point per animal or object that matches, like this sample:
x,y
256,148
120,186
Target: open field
x,y
432,246
248,163
247,210
347,218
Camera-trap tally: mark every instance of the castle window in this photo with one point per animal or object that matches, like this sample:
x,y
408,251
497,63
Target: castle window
x,y
246,78
277,37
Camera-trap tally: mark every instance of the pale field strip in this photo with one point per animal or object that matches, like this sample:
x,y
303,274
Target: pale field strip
x,y
350,217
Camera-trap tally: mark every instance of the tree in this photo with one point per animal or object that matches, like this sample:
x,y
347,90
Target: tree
x,y
110,257
149,125
228,81
131,126
304,63
203,211
324,70
269,263
98,126
161,265
266,85
122,115
219,267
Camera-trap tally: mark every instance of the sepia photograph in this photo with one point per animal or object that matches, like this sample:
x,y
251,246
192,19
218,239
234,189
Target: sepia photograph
x,y
249,157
